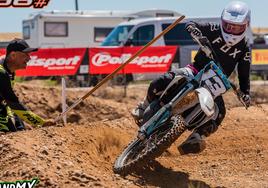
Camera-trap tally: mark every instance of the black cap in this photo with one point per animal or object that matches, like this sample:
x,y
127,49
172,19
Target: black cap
x,y
19,45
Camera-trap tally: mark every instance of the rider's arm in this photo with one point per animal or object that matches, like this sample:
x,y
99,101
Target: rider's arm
x,y
243,69
12,101
197,30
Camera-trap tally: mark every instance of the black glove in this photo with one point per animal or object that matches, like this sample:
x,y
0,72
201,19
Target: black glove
x,y
207,51
194,31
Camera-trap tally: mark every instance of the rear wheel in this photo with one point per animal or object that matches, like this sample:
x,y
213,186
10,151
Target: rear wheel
x,y
139,152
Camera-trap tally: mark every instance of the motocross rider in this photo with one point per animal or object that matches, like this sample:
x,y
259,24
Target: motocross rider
x,y
228,39
11,110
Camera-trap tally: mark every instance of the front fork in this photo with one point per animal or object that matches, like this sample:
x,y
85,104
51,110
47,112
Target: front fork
x,y
185,99
164,113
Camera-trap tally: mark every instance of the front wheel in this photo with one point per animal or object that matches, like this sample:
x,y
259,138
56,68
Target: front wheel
x,y
139,152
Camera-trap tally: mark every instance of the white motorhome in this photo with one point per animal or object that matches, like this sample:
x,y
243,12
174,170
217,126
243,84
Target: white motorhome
x,y
71,29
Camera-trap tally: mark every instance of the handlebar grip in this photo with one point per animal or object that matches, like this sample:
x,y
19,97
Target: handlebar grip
x,y
239,94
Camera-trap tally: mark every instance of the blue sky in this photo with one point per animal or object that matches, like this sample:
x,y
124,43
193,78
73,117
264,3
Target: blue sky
x,y
11,18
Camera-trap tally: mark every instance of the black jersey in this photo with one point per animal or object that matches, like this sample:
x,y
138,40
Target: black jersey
x,y
229,57
9,99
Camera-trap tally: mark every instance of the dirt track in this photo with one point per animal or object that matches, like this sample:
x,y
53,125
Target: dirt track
x,y
82,153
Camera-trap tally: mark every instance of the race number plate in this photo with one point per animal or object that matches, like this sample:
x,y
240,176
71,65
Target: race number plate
x,y
213,82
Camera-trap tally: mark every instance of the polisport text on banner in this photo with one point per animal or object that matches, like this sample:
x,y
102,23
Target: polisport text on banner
x,y
154,59
54,62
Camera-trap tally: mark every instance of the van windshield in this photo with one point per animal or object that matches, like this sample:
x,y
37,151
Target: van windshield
x,y
117,35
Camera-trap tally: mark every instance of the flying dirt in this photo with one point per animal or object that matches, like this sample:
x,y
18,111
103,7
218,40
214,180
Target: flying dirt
x,y
82,153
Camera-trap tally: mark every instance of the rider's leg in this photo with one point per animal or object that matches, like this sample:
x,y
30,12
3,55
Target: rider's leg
x,y
156,87
195,143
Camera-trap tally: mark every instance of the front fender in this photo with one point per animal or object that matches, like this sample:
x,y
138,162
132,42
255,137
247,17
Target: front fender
x,y
206,101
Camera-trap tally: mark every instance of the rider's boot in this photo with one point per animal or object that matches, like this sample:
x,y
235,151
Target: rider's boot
x,y
195,143
137,113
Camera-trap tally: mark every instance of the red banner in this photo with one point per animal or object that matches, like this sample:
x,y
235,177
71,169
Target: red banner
x,y
154,59
53,62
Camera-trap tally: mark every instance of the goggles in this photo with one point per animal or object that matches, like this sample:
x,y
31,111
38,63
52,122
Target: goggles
x,y
233,29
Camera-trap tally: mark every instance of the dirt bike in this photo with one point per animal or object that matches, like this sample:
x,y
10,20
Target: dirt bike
x,y
184,105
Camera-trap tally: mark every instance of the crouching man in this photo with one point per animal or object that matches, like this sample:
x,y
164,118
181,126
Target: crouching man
x,y
12,112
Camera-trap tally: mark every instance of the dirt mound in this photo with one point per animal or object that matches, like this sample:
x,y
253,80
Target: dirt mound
x,y
81,154
70,156
46,102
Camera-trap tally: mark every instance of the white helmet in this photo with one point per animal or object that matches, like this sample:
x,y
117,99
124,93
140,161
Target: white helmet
x,y
235,20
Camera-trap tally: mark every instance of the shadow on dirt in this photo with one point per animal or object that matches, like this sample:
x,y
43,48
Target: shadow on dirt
x,y
157,175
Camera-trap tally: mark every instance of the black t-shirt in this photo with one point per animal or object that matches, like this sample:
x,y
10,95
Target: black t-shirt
x,y
229,57
6,91
9,98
